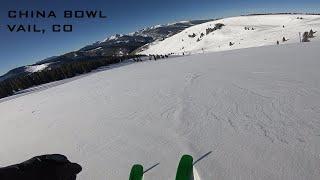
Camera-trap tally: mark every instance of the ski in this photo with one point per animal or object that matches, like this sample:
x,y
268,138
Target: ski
x,y
136,172
185,168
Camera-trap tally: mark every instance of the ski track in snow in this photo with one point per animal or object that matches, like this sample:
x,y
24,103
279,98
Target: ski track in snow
x,y
256,109
195,174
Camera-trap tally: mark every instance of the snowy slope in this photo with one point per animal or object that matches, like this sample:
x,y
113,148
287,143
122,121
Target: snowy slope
x,y
36,68
256,109
24,71
123,44
267,30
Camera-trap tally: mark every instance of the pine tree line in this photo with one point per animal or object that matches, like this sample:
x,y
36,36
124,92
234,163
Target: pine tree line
x,y
11,86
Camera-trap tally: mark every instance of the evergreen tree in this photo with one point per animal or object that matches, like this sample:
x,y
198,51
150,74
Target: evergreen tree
x,y
284,39
305,37
311,33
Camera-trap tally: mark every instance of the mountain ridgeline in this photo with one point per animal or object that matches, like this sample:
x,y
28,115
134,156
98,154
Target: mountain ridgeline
x,y
180,38
117,45
112,50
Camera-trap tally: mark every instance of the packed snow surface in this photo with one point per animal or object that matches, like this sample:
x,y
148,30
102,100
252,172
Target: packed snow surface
x,y
256,109
242,32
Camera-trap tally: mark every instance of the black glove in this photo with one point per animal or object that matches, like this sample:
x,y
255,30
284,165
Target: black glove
x,y
45,167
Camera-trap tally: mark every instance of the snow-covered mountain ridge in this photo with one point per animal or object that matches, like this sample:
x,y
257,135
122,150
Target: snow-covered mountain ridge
x,y
118,45
238,32
126,43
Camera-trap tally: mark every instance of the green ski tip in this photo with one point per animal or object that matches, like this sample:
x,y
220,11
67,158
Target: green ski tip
x,y
136,172
185,168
